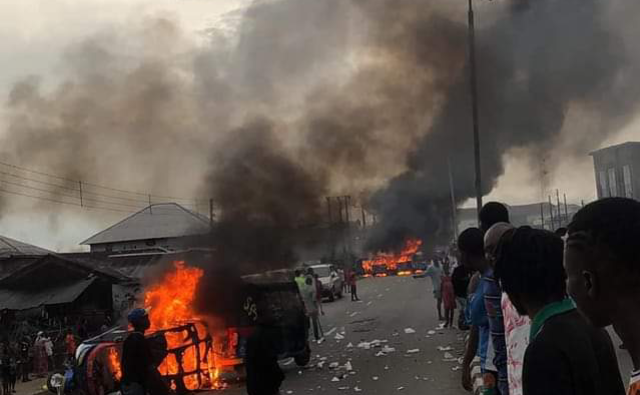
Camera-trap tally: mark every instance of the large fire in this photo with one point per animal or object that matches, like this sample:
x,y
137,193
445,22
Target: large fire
x,y
390,260
170,303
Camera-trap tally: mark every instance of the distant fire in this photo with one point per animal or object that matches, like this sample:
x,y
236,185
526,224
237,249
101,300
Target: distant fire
x,y
383,262
170,308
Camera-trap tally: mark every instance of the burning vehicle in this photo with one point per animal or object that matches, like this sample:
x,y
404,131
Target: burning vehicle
x,y
191,354
393,263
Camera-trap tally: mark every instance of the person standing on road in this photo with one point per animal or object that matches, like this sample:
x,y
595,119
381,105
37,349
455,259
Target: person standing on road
x,y
565,355
139,373
24,359
318,285
299,279
471,246
434,271
70,344
263,374
40,355
448,298
603,270
353,284
310,301
460,280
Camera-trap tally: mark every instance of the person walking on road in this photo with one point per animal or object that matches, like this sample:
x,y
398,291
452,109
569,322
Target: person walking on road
x,y
318,284
353,284
566,355
25,360
603,270
40,355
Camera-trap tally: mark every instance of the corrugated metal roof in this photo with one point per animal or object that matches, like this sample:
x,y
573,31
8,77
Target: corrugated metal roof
x,y
19,300
10,247
157,221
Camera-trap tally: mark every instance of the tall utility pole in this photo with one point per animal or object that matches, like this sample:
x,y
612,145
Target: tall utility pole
x,y
474,106
454,208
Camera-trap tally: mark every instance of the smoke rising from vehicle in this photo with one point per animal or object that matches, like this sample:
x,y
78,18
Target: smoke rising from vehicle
x,y
313,98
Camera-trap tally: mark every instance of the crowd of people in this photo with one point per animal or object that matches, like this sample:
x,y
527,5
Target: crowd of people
x,y
537,302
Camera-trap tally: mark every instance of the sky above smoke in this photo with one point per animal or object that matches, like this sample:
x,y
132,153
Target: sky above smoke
x,y
190,98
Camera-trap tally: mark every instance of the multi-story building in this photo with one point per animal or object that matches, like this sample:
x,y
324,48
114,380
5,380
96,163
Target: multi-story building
x,y
617,170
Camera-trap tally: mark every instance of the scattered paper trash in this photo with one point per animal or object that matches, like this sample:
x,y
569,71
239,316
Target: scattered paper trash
x,y
335,379
321,340
400,388
333,365
356,389
380,354
409,331
386,368
343,388
338,337
448,355
431,333
348,367
387,349
413,351
288,362
355,313
350,345
445,348
456,368
289,392
331,331
374,378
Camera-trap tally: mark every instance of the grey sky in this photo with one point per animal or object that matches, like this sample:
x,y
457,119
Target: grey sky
x,y
35,34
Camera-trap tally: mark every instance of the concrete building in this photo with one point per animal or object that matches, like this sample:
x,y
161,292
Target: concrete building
x,y
162,227
617,170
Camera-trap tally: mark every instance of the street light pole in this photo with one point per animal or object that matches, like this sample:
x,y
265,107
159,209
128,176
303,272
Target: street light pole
x,y
474,107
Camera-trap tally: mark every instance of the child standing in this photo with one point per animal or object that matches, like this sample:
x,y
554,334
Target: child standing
x,y
448,298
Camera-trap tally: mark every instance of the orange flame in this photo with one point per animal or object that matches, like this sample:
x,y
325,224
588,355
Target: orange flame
x,y
114,362
390,259
171,303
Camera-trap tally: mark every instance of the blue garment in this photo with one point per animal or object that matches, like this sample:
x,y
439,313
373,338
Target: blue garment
x,y
493,306
478,318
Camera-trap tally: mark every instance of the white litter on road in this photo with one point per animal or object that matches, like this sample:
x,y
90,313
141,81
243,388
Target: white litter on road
x,y
335,379
289,392
348,366
320,365
456,368
333,365
413,351
343,388
386,368
356,389
355,313
330,331
409,331
445,348
338,337
369,303
448,355
288,362
380,354
431,333
387,349
400,388
321,340
375,378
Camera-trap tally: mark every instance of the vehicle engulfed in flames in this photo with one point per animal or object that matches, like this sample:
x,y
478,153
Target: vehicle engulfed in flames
x,y
385,264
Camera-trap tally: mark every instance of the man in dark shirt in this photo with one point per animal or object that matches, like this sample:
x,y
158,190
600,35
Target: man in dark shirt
x,y
264,375
603,269
460,278
139,374
566,355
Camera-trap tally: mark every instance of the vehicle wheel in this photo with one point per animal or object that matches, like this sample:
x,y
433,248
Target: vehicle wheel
x,y
303,358
54,380
332,295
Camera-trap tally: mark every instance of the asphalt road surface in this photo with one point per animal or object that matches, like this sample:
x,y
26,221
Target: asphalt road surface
x,y
399,312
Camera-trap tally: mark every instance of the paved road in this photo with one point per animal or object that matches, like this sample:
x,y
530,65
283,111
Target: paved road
x,y
389,307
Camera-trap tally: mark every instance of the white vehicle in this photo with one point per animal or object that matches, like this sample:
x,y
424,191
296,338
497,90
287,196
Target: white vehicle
x,y
330,279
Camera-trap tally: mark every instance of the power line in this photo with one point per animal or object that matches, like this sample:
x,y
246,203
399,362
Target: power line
x,y
12,166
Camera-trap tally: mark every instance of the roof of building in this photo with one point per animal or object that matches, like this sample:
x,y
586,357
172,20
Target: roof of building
x,y
21,300
628,144
10,247
158,221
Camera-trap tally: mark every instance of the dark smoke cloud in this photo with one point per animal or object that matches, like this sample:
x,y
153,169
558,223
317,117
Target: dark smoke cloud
x,y
311,98
536,63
